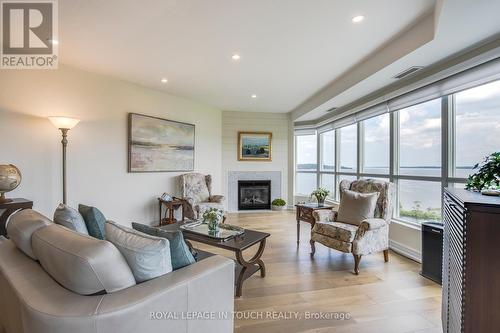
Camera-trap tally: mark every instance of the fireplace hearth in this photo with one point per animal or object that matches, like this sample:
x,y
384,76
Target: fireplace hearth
x,y
254,194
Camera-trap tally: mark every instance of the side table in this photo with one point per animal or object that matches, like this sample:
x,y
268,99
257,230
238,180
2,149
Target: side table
x,y
10,208
170,207
305,213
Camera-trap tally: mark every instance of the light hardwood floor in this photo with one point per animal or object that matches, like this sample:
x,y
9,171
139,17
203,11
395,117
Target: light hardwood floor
x,y
384,297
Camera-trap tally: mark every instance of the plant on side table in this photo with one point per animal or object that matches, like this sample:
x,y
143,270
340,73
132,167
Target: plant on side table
x,y
278,204
487,178
320,194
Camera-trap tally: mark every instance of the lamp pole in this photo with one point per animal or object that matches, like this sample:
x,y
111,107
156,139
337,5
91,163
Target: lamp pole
x,y
64,124
64,142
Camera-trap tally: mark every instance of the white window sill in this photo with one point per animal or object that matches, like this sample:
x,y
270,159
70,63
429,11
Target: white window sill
x,y
408,224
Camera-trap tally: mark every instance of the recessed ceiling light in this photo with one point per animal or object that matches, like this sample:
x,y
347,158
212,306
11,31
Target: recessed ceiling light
x,y
253,96
164,80
358,18
235,56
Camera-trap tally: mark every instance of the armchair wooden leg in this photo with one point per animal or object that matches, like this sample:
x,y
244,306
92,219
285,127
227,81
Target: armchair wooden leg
x,y
386,255
357,259
313,248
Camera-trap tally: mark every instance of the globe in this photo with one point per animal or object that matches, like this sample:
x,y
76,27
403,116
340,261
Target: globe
x,y
10,178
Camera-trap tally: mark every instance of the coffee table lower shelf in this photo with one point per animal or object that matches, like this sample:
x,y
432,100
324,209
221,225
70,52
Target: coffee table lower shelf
x,y
240,272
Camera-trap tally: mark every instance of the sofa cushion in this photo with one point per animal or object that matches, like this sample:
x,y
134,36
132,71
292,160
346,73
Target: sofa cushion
x,y
355,207
180,253
81,263
332,242
21,227
70,218
94,220
148,256
341,231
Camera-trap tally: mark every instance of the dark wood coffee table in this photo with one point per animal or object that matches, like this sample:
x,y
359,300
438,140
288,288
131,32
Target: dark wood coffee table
x,y
244,268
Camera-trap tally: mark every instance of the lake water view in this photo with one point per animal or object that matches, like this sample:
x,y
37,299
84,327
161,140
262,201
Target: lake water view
x,y
418,200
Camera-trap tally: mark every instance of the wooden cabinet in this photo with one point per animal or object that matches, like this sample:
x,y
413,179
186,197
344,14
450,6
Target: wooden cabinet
x,y
471,264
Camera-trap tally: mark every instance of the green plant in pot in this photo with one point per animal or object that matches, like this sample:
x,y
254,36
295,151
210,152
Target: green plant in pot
x,y
488,175
213,218
320,194
278,204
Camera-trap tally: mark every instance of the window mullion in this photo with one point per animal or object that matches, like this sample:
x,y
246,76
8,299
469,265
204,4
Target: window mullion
x,y
394,155
337,162
360,148
318,159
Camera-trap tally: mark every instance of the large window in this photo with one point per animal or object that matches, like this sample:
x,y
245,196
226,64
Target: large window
x,y
306,152
414,155
419,159
306,164
327,151
420,139
327,158
328,182
305,183
419,200
477,126
348,149
376,145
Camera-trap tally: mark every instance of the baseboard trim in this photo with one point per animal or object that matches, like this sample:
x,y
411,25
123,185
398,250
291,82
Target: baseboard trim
x,y
405,251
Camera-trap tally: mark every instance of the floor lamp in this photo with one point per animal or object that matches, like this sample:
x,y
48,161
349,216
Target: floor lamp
x,y
64,124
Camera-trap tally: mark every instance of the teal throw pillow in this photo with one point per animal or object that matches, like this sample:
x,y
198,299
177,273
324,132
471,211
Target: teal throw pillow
x,y
94,220
179,250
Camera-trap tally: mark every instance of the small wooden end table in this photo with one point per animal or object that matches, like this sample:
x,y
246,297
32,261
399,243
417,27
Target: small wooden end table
x,y
170,207
305,213
10,208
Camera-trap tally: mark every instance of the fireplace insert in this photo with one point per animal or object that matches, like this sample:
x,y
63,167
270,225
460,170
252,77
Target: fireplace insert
x,y
254,194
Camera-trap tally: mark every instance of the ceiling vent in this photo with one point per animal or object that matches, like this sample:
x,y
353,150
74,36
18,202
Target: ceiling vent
x,y
331,110
408,72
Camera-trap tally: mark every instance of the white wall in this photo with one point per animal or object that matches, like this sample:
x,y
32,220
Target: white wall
x,y
406,240
97,151
277,123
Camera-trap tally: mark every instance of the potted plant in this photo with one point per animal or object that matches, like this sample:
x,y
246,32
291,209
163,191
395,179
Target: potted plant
x,y
487,178
278,204
213,218
320,194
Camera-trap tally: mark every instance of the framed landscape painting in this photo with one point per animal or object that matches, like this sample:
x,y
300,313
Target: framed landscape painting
x,y
159,145
254,146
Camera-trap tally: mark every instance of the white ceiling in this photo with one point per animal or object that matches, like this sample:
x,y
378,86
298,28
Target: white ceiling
x,y
460,25
289,49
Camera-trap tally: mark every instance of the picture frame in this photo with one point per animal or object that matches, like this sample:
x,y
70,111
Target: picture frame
x,y
255,146
159,145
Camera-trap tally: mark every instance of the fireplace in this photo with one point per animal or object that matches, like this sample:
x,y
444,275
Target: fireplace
x,y
254,194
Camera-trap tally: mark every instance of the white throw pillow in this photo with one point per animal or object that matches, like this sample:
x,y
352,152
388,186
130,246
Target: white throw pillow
x,y
70,218
148,256
355,207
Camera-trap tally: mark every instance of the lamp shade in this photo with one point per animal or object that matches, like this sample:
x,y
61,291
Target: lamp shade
x,y
64,122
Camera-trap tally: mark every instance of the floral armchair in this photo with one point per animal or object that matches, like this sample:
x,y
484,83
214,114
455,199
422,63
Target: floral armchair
x,y
196,190
369,236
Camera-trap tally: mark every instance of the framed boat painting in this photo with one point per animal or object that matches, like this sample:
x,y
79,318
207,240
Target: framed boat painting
x,y
159,145
254,146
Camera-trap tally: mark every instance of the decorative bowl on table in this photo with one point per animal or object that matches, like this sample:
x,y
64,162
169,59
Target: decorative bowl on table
x,y
10,178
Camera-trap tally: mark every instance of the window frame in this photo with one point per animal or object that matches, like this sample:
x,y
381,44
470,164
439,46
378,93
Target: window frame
x,y
296,171
448,152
